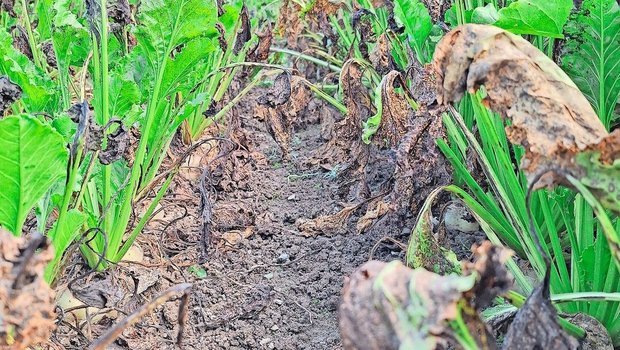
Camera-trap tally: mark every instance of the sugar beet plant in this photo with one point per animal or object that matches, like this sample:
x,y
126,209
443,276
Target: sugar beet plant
x,y
147,76
574,230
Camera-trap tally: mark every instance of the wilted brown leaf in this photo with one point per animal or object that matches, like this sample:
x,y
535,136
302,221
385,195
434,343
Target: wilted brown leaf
x,y
420,166
492,279
346,148
20,41
374,212
395,111
535,325
9,93
381,55
261,51
279,93
290,25
327,224
246,31
284,102
119,12
549,116
389,306
7,5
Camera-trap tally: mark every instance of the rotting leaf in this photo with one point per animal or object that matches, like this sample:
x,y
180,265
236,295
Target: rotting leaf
x,y
261,51
379,208
361,22
420,167
9,93
279,93
391,120
20,41
423,86
289,24
116,145
345,146
8,5
425,249
47,48
549,116
284,102
246,31
327,224
119,12
381,55
535,325
389,306
492,279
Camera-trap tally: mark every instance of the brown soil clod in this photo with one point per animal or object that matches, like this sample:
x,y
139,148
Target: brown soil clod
x,y
26,300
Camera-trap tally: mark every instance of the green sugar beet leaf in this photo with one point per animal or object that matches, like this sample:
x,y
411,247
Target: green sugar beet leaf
x,y
62,237
536,17
32,158
37,88
417,21
592,57
174,42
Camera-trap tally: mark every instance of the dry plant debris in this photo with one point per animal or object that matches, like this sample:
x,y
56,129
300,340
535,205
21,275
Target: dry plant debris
x,y
550,117
389,306
9,93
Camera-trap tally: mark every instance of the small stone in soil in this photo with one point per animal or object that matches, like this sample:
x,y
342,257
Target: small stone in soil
x,y
275,327
269,276
292,197
278,301
283,258
265,341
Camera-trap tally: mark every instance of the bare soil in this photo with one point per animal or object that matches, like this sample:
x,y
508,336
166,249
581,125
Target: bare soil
x,y
265,284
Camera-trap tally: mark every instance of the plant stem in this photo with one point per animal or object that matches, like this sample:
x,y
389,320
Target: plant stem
x,y
105,112
31,39
307,58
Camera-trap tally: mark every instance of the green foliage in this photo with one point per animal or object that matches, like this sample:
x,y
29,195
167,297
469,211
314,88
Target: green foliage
x,y
537,17
33,158
592,55
174,42
418,24
564,222
62,237
37,88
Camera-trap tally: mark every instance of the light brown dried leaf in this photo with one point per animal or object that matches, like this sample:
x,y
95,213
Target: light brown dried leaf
x,y
549,116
